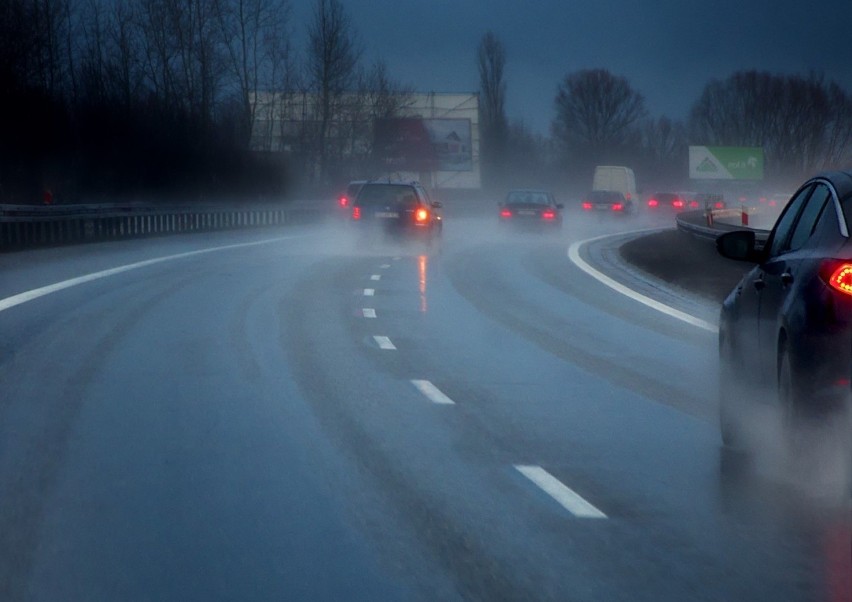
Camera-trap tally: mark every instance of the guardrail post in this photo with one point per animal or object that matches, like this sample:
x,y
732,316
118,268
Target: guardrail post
x,y
744,215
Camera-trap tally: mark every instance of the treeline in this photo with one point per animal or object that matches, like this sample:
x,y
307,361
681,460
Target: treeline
x,y
138,98
804,125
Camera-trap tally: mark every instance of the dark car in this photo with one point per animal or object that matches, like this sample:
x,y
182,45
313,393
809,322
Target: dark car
x,y
531,209
785,331
344,201
674,201
401,209
607,200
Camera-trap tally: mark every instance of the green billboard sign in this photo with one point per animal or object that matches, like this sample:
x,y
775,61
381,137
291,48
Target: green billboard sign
x,y
725,163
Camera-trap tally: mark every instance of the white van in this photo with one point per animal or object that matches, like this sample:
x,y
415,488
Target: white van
x,y
619,179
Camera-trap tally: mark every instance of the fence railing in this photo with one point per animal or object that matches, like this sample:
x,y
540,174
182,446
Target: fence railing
x,y
28,226
712,224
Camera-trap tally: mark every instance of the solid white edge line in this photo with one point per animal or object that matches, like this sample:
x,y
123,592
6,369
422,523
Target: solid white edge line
x,y
369,292
553,487
376,277
432,392
384,343
574,256
368,312
36,293
384,266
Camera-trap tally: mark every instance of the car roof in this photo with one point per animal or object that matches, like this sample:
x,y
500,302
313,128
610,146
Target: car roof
x,y
842,181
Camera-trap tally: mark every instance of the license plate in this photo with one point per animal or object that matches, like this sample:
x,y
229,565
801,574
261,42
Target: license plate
x,y
602,207
526,212
387,214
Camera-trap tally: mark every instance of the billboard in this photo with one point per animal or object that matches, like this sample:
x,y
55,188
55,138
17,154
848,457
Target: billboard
x,y
725,163
415,144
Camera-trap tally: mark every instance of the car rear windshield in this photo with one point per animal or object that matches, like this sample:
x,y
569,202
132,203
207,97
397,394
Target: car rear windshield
x,y
372,195
522,196
605,196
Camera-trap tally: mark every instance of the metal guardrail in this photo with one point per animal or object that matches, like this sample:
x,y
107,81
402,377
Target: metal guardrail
x,y
699,224
24,226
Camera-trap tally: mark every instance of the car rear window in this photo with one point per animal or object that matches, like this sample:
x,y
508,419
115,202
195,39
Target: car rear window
x,y
536,198
846,206
605,196
386,194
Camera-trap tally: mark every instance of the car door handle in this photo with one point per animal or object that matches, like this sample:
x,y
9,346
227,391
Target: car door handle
x,y
759,283
787,278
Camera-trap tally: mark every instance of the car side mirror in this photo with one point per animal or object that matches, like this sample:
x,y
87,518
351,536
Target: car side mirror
x,y
437,204
739,245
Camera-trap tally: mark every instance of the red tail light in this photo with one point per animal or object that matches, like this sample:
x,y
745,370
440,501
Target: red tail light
x,y
653,203
421,216
772,203
838,275
344,202
693,204
677,204
505,213
587,206
548,215
719,205
356,213
618,207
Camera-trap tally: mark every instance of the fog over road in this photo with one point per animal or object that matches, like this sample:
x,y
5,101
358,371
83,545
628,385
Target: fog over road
x,y
299,417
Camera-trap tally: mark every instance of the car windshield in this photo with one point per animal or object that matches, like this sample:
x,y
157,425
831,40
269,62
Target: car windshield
x,y
528,197
605,196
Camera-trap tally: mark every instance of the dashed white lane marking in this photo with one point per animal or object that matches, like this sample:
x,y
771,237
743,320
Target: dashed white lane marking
x,y
369,292
397,258
432,392
553,487
384,266
369,312
384,343
574,256
376,277
21,298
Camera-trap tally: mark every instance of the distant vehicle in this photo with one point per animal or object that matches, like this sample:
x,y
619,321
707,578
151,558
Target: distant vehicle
x,y
607,200
344,201
710,200
616,178
667,201
531,209
401,209
786,329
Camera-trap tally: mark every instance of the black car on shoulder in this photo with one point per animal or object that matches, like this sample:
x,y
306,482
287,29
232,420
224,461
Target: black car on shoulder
x,y
785,331
401,209
531,209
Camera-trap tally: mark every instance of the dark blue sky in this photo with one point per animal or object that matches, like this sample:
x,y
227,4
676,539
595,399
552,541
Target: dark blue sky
x,y
667,49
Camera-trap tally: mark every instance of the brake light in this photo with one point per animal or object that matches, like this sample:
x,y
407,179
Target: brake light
x,y
693,204
653,202
505,213
838,275
677,204
356,213
344,202
618,207
772,203
719,205
587,206
548,215
421,215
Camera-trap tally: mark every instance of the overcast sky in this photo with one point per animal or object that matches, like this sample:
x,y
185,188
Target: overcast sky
x,y
667,49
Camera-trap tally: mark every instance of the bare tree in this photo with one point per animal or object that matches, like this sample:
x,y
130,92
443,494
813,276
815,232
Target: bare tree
x,y
596,113
491,62
332,57
664,147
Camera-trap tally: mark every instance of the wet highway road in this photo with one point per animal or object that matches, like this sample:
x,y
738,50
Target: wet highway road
x,y
287,415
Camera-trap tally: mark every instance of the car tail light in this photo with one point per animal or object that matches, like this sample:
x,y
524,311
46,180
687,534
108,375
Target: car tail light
x,y
762,200
421,216
653,203
838,275
693,204
356,213
677,204
548,215
618,207
344,201
505,213
587,206
719,205
772,203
